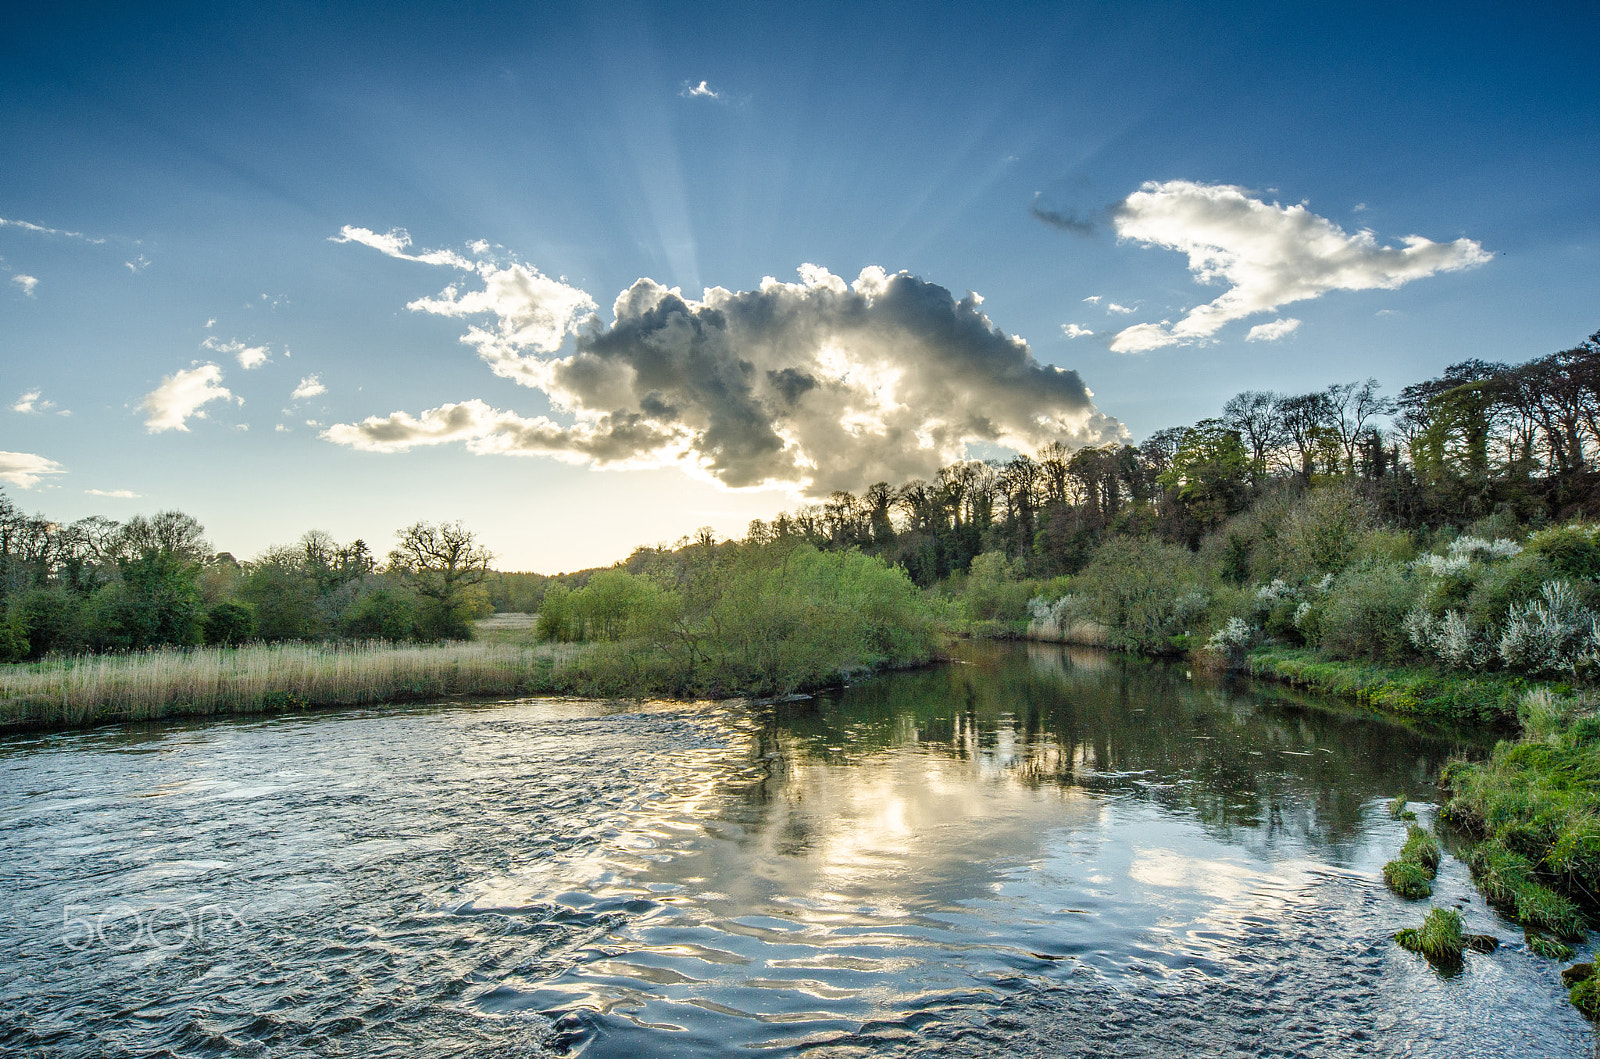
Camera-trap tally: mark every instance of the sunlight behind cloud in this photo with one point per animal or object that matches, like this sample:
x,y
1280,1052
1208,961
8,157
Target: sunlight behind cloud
x,y
813,386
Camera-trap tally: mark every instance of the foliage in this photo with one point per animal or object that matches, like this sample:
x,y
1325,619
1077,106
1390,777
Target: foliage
x,y
1145,592
1364,613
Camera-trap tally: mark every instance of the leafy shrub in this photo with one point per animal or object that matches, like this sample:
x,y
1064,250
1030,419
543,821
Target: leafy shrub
x,y
1363,614
1143,591
1572,551
1323,532
230,622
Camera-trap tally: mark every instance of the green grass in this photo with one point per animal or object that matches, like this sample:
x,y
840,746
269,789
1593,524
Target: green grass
x,y
1408,879
1398,810
1439,939
1549,948
1481,698
1410,875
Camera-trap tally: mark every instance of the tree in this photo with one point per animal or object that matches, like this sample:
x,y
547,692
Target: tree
x,y
1256,416
441,563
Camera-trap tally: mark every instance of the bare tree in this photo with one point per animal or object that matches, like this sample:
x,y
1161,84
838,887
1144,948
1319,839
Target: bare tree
x,y
441,562
1256,415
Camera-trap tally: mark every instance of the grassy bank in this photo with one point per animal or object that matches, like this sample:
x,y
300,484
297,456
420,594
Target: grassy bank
x,y
146,685
1415,691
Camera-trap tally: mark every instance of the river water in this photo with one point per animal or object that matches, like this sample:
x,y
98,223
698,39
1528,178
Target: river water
x,y
1037,851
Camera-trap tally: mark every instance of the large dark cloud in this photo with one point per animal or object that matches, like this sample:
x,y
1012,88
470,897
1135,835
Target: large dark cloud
x,y
819,384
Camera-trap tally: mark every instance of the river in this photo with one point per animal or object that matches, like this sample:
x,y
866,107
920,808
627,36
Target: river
x,y
1034,851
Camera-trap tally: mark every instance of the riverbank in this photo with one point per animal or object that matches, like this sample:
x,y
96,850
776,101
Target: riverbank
x,y
1412,691
262,678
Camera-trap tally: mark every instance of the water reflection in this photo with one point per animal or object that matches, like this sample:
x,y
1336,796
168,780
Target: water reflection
x,y
1039,851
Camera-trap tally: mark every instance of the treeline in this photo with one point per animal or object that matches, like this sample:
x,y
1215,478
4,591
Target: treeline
x,y
1478,439
101,585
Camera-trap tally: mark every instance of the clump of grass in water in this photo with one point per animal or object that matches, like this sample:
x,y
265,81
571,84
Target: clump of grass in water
x,y
1398,810
1442,941
1439,939
1410,875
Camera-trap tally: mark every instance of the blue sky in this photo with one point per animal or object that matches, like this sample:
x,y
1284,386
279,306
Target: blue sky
x,y
175,187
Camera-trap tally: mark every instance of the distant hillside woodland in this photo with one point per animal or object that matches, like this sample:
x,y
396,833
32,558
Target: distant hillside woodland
x,y
1278,490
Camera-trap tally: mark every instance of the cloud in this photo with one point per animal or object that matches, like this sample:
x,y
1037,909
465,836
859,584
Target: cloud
x,y
1093,299
699,91
310,386
27,283
817,385
1121,310
1074,331
1272,332
247,356
43,230
31,403
180,395
530,310
138,264
24,469
1067,220
1269,255
115,494
394,243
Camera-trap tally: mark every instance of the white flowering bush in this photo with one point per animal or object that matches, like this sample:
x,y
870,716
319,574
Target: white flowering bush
x,y
1478,548
1442,565
1233,640
1552,635
1450,638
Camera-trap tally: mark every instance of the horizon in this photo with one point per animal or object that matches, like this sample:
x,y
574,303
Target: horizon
x,y
589,283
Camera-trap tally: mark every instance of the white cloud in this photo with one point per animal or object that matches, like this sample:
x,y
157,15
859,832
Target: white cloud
x,y
1273,331
180,395
817,385
30,403
27,283
24,469
138,264
281,428
1093,299
531,311
42,230
699,91
1269,255
115,494
1074,331
394,243
247,356
310,386
1120,310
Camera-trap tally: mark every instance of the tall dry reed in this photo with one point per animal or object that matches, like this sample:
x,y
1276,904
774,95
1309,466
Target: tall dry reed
x,y
218,680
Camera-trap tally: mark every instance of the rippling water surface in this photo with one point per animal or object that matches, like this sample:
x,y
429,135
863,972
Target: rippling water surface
x,y
1038,852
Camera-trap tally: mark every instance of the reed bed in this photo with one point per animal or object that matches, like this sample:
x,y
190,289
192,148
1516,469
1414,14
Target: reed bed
x,y
264,677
